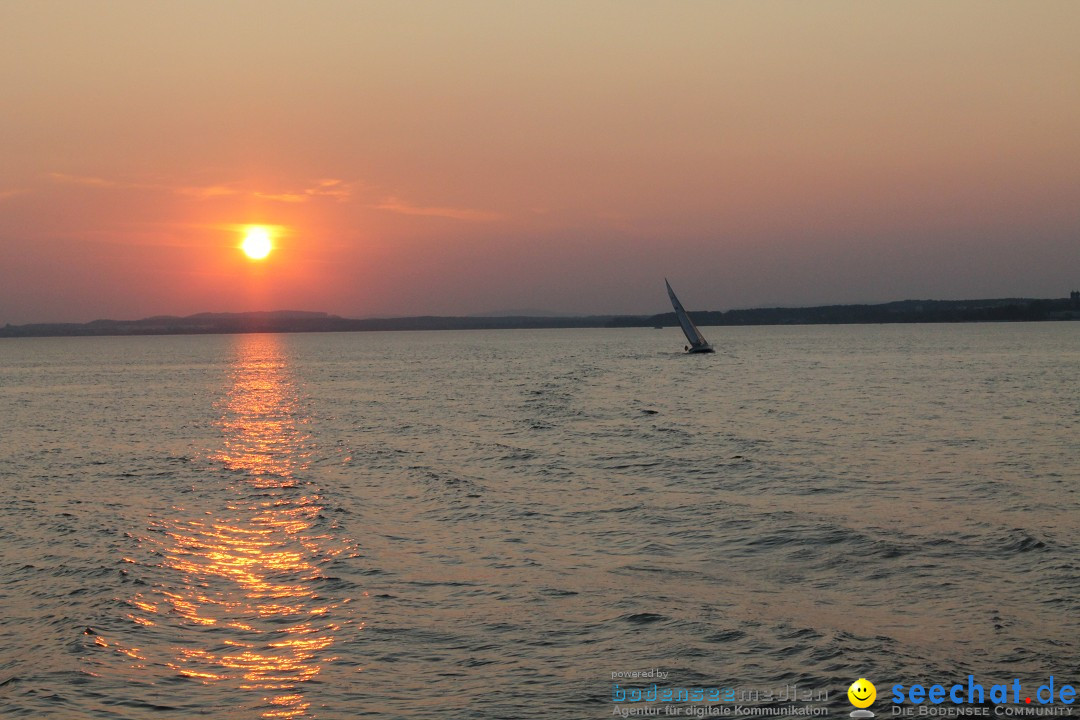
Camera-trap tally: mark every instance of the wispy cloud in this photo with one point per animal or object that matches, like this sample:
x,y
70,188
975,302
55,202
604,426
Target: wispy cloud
x,y
331,188
89,181
92,181
207,192
397,205
5,194
325,188
283,197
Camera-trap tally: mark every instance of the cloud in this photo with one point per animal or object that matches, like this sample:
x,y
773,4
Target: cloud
x,y
207,192
5,194
327,187
284,197
103,183
332,188
88,181
396,205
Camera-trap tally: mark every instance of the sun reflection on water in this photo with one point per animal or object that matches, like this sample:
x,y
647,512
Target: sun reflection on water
x,y
249,574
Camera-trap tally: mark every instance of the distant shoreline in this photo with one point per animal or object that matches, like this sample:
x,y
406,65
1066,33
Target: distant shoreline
x,y
289,321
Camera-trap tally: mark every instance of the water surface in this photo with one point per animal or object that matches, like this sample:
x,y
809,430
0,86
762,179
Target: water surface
x,y
488,524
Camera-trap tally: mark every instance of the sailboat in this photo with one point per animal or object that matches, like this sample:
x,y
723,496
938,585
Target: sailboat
x,y
698,344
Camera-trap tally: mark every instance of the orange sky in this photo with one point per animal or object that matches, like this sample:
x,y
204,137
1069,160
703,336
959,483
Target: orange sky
x,y
464,157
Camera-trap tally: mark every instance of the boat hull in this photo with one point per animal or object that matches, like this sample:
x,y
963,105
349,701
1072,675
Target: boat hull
x,y
706,349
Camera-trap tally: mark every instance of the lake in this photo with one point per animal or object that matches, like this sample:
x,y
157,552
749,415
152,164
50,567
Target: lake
x,y
494,524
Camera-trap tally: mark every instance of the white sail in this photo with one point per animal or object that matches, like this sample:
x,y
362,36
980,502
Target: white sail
x,y
697,340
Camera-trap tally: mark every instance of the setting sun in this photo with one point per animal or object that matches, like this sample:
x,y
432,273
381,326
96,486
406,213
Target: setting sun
x,y
257,243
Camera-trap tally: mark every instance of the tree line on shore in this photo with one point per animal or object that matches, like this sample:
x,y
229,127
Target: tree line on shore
x,y
904,311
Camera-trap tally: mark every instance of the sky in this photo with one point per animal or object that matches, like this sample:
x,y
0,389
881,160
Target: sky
x,y
464,157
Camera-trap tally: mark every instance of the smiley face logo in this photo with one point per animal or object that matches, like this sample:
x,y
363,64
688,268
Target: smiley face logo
x,y
862,693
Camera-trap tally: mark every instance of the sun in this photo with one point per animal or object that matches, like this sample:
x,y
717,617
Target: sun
x,y
257,243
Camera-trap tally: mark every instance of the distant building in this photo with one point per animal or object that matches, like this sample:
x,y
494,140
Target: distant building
x,y
1075,297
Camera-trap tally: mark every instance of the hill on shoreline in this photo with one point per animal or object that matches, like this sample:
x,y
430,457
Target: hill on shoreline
x,y
904,311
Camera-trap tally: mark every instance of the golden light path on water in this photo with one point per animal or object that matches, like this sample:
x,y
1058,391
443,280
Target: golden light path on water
x,y
250,571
